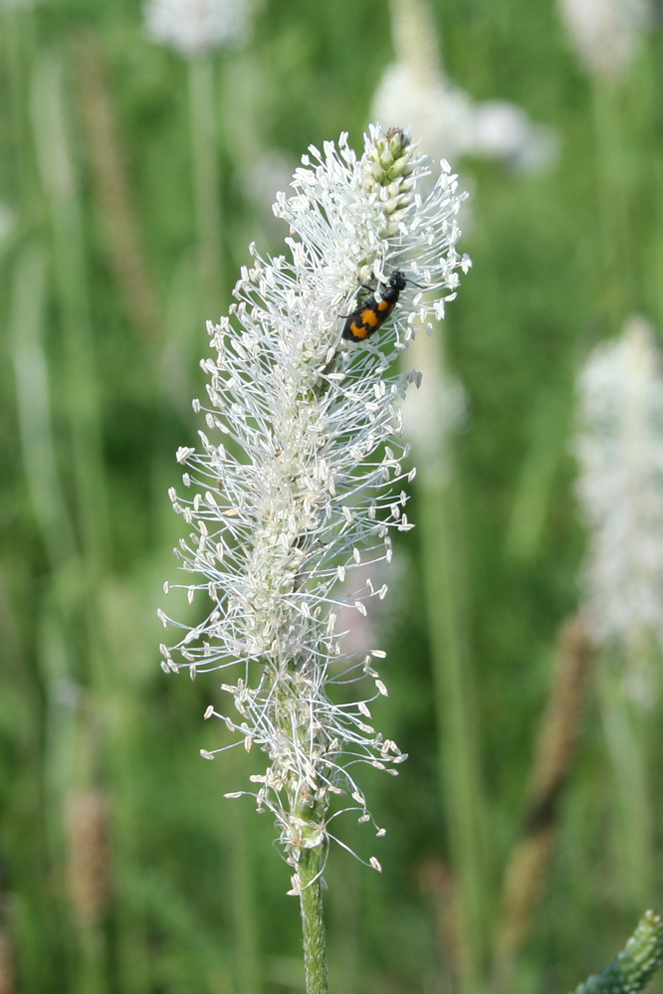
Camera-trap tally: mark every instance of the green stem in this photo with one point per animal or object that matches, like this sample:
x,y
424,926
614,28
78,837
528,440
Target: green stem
x,y
27,319
14,62
647,103
634,819
617,253
245,920
206,181
457,734
346,966
92,973
313,923
51,126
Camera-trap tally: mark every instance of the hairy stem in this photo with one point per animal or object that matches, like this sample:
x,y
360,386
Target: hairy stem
x,y
313,923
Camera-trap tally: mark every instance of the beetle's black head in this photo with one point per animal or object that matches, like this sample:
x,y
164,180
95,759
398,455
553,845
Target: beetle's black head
x,y
397,280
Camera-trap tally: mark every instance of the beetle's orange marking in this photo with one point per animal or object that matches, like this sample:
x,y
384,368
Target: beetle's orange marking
x,y
369,317
359,330
383,305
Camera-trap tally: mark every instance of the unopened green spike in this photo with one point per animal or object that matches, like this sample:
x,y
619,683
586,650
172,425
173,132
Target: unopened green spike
x,y
635,965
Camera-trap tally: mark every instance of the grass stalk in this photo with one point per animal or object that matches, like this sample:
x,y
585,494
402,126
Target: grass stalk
x,y
429,420
457,735
57,170
91,977
206,181
17,24
244,911
113,190
616,249
627,748
645,102
40,465
33,395
52,124
346,968
531,503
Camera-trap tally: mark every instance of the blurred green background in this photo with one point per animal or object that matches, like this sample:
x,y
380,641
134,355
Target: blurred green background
x,y
132,179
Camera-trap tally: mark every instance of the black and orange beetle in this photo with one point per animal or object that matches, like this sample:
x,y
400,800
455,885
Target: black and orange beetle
x,y
372,314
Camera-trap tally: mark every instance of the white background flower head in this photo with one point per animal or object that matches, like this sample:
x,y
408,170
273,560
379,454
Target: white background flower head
x,y
606,33
416,89
620,452
196,26
296,487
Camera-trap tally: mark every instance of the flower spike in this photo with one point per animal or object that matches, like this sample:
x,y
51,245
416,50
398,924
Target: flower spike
x,y
292,486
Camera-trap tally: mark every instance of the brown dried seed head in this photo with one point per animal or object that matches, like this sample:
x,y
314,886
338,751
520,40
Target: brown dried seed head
x,y
556,746
7,974
88,857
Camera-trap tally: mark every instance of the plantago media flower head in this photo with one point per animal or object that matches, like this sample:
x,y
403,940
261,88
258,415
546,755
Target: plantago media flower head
x,y
606,33
620,451
196,26
295,485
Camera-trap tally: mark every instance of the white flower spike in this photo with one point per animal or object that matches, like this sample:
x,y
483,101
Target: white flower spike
x,y
606,33
620,452
193,27
293,487
416,90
